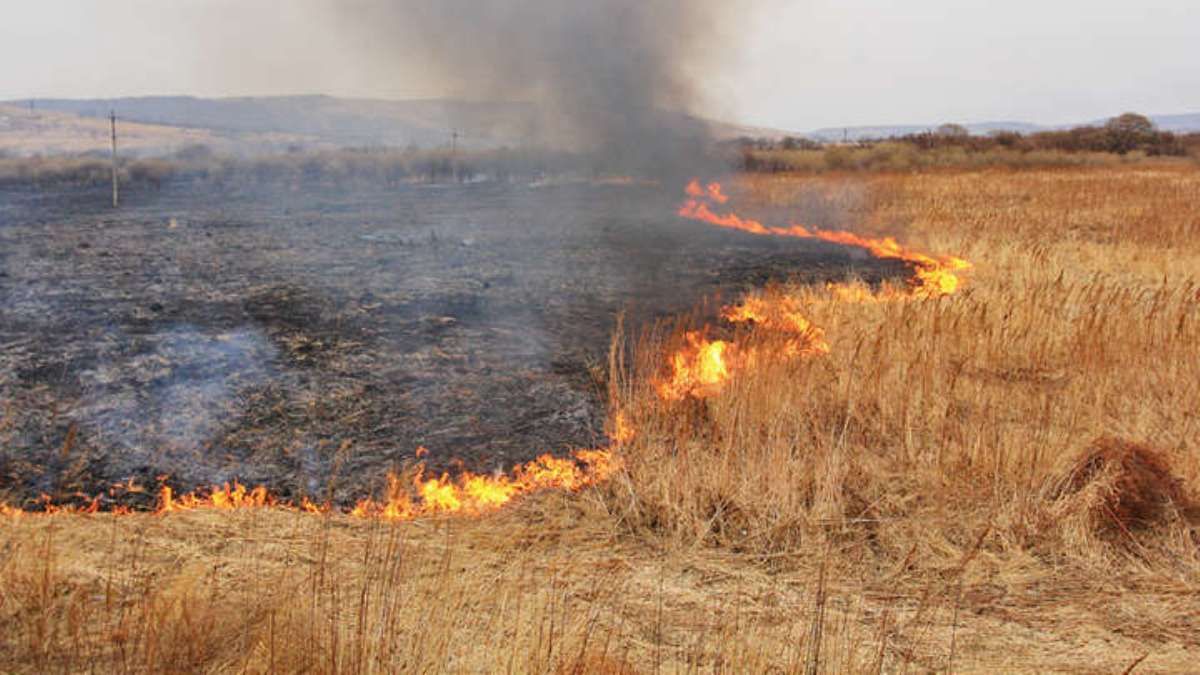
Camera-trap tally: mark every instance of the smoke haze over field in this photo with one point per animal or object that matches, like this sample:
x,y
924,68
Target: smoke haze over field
x,y
604,75
779,63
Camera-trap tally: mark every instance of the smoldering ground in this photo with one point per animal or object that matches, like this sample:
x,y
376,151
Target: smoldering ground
x,y
160,398
312,340
316,335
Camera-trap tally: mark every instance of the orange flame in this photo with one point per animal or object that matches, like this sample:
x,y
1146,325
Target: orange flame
x,y
785,316
712,192
47,507
700,369
224,498
933,276
474,494
468,494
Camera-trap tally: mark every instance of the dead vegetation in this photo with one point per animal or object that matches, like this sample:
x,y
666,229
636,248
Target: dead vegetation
x,y
1119,489
1001,480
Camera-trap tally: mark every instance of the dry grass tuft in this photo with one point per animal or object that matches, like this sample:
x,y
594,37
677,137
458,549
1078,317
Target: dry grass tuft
x,y
1123,488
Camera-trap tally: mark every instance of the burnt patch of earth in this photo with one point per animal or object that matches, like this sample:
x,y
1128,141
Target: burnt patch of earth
x,y
311,340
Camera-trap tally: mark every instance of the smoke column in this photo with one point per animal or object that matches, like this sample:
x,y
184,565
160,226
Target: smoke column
x,y
616,77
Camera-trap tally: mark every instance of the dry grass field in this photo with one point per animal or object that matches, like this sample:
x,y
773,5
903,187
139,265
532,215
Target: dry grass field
x,y
25,133
1005,479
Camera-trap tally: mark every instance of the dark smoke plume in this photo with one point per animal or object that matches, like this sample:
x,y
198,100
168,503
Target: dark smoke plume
x,y
616,77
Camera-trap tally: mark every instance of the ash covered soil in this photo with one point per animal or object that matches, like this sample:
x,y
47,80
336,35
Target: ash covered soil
x,y
311,339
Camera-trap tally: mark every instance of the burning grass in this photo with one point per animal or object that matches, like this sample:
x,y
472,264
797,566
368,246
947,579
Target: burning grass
x,y
933,275
1000,478
975,398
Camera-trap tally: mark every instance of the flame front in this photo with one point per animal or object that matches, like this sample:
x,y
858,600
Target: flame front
x,y
933,276
468,494
783,315
701,368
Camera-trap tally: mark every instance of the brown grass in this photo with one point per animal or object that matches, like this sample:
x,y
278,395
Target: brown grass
x,y
28,132
1003,480
1124,488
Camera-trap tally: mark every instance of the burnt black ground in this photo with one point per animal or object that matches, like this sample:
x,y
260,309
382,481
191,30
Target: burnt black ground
x,y
313,337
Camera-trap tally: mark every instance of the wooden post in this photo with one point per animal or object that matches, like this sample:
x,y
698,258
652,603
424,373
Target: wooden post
x,y
116,185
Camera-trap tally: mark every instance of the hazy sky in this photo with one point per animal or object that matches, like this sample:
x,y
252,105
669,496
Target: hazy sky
x,y
794,64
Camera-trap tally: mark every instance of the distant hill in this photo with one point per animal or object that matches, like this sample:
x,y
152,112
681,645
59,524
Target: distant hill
x,y
341,122
25,131
318,118
272,124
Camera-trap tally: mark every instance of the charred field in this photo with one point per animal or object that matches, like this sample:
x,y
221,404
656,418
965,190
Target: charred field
x,y
312,339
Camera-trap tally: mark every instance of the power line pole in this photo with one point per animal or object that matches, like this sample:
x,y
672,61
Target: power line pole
x,y
116,186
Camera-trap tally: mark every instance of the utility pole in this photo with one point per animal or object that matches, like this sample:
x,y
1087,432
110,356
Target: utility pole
x,y
116,186
454,154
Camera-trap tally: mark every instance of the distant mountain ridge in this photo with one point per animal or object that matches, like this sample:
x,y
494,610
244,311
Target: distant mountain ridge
x,y
263,123
326,120
320,118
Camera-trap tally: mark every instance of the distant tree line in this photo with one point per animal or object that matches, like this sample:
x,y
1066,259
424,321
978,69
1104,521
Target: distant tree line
x,y
1128,137
1120,135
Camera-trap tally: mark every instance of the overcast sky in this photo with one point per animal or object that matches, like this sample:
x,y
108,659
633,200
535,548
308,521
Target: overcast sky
x,y
798,64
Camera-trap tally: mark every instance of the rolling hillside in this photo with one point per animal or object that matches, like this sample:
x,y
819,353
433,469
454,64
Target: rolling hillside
x,y
25,131
271,124
338,122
